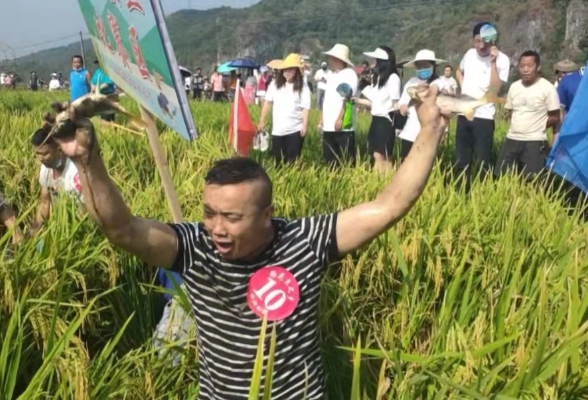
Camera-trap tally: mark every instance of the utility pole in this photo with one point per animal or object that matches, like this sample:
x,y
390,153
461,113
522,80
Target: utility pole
x,y
82,47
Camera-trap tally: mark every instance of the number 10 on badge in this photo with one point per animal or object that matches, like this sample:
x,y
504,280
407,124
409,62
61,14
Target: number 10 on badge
x,y
273,293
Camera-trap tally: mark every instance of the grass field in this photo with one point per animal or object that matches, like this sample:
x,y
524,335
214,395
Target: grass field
x,y
479,297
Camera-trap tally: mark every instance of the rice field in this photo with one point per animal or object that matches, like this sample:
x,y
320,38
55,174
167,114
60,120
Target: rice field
x,y
477,296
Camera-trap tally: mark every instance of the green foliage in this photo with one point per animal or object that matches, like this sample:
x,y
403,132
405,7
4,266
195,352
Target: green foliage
x,y
273,28
478,296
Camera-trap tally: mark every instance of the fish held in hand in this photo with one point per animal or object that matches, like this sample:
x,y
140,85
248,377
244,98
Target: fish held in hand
x,y
99,104
95,104
463,104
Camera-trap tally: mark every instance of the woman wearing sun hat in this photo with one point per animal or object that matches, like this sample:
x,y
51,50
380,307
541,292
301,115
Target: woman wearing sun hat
x,y
424,65
382,96
291,100
338,140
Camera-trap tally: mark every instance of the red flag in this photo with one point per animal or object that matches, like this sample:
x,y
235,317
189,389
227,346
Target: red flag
x,y
242,124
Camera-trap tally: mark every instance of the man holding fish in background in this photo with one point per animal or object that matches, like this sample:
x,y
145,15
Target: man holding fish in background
x,y
58,174
533,107
483,69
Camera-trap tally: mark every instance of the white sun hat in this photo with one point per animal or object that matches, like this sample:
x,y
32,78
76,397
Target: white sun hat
x,y
379,54
341,52
424,55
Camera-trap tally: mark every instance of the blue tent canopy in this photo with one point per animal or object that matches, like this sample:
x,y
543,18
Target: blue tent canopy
x,y
569,156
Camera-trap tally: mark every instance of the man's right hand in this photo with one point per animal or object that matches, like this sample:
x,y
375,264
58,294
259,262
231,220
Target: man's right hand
x,y
77,140
494,54
429,113
153,242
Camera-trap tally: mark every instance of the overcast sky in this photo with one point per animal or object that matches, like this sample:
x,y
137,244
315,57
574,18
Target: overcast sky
x,y
24,23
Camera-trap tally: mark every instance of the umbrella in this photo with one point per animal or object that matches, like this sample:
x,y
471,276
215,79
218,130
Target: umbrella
x,y
225,68
244,63
185,72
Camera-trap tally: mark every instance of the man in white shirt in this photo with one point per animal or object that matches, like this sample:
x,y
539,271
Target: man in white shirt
x,y
482,69
533,105
449,82
54,82
188,85
338,140
320,78
58,174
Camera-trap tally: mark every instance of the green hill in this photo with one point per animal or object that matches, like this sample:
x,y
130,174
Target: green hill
x,y
272,28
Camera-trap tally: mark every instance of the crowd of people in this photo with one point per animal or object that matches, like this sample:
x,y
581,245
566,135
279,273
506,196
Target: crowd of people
x,y
534,106
218,261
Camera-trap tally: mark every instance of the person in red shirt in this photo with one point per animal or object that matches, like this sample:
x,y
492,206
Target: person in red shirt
x,y
218,87
262,85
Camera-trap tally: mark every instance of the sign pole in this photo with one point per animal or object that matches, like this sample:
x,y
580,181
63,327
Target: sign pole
x,y
236,117
162,165
82,48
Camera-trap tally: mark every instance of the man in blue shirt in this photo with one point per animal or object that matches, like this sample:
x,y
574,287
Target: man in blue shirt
x,y
568,87
79,79
103,84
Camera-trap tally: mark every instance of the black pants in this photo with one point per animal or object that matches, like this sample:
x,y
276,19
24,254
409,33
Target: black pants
x,y
473,137
381,137
405,147
197,94
527,157
218,96
338,147
287,148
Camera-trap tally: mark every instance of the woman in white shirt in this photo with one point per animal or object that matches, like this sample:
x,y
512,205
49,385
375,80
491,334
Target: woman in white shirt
x,y
382,96
290,99
424,64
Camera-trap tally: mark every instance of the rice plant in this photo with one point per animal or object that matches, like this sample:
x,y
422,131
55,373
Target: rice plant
x,y
478,295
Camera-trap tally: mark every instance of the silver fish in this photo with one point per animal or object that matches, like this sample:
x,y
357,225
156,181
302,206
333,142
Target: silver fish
x,y
463,104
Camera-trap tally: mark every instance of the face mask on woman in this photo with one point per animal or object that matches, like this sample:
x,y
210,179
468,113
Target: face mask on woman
x,y
424,74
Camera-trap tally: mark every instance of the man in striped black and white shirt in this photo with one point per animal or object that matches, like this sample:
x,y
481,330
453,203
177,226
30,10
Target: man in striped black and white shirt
x,y
220,258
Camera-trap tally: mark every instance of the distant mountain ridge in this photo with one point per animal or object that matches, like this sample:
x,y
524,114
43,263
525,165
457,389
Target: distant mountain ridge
x,y
272,28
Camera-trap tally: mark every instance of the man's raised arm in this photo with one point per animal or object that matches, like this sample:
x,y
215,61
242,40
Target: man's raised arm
x,y
359,225
153,242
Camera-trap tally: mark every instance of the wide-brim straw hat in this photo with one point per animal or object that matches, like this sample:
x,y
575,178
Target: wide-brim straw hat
x,y
340,52
566,66
273,64
424,55
292,61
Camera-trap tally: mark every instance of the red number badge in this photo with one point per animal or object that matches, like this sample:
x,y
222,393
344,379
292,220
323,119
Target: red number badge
x,y
273,292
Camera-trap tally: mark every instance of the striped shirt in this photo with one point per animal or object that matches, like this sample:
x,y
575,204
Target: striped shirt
x,y
228,330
